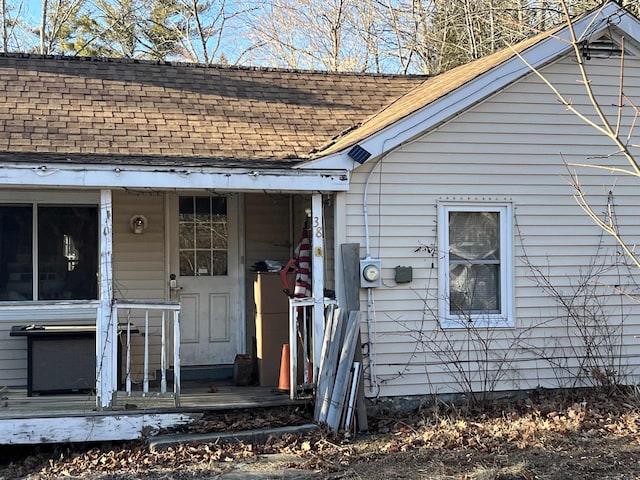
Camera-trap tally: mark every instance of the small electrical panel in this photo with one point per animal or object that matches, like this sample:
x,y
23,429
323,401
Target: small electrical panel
x,y
404,274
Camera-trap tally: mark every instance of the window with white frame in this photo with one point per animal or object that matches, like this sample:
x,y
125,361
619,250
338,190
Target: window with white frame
x,y
475,264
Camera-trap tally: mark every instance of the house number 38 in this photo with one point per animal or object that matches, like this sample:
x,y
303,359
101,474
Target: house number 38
x,y
317,227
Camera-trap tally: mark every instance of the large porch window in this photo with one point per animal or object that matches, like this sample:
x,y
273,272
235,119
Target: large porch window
x,y
55,244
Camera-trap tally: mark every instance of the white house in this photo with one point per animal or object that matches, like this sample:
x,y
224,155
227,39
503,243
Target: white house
x,y
469,184
161,185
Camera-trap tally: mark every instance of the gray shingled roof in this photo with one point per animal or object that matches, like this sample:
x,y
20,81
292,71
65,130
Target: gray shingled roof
x,y
122,111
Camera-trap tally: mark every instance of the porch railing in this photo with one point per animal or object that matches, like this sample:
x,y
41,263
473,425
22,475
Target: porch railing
x,y
301,321
128,312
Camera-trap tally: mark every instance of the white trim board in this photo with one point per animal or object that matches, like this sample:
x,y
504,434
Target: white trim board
x,y
110,176
90,428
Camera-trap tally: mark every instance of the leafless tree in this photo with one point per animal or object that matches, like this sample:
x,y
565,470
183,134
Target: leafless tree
x,y
335,35
612,129
12,37
405,36
391,36
3,18
43,25
210,31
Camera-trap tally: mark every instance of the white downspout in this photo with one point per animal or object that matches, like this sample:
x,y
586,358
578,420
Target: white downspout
x,y
374,388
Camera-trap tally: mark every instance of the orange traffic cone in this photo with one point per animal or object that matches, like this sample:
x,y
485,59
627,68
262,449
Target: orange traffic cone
x,y
284,382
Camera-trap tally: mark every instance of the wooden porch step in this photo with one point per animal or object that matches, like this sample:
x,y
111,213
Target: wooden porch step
x,y
201,373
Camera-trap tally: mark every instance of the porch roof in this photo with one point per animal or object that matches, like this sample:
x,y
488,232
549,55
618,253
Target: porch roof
x,y
114,111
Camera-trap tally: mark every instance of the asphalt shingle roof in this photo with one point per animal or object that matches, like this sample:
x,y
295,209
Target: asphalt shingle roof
x,y
106,110
75,109
429,91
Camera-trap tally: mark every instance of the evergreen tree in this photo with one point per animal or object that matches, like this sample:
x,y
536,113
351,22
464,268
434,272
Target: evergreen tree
x,y
57,26
161,31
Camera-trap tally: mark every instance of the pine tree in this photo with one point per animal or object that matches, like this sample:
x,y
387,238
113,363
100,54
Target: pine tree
x,y
162,31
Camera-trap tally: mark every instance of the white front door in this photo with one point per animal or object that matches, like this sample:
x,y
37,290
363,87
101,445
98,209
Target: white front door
x,y
205,261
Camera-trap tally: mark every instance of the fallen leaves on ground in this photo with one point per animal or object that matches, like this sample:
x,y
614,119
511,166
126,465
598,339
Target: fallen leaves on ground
x,y
547,422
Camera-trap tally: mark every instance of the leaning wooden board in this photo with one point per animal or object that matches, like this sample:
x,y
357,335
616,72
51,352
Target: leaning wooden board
x,y
351,273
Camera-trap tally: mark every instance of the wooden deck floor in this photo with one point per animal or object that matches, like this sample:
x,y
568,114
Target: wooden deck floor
x,y
14,402
74,418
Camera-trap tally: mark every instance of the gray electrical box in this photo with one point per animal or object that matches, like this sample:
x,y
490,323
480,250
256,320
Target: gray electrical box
x,y
404,274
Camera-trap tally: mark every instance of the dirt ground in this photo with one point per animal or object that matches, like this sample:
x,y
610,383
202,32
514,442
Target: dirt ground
x,y
552,435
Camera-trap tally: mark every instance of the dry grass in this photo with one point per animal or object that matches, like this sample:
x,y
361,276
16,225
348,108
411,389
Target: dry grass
x,y
586,435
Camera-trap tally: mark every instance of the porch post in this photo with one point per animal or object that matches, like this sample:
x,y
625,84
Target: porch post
x,y
317,278
106,328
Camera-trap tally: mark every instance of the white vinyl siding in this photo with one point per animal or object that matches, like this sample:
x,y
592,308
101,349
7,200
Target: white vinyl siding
x,y
138,260
139,269
510,149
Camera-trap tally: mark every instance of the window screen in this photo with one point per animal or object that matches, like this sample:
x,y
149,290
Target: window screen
x,y
474,262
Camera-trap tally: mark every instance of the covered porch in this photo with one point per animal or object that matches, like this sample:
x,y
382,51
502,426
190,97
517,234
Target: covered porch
x,y
140,317
156,401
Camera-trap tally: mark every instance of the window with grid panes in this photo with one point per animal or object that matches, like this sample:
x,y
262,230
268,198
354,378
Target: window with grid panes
x,y
203,236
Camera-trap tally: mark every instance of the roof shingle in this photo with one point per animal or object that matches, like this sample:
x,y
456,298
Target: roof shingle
x,y
95,109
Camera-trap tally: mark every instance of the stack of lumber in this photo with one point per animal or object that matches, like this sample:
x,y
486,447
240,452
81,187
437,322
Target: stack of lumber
x,y
339,392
